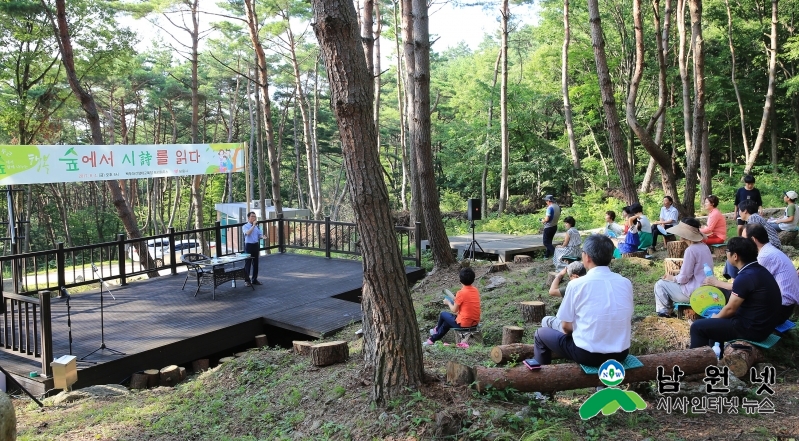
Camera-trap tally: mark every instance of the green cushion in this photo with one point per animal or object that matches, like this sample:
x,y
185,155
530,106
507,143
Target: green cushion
x,y
770,341
719,245
631,362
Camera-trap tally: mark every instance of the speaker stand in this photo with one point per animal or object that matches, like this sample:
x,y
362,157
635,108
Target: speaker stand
x,y
473,246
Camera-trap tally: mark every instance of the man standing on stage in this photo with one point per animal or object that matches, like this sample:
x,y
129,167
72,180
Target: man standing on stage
x,y
252,246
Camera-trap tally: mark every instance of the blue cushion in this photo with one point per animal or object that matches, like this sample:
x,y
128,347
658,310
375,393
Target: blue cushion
x,y
631,362
787,326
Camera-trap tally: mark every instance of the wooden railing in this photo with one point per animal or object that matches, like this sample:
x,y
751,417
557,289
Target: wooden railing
x,y
26,318
26,331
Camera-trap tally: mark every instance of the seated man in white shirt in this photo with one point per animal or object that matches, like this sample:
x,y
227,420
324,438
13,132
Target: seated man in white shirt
x,y
668,219
595,315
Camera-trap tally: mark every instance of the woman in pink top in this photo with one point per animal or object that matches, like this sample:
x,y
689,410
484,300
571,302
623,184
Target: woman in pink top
x,y
716,229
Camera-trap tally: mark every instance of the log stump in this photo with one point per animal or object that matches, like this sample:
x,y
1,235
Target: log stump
x,y
740,360
522,258
138,380
719,252
641,254
459,374
325,354
498,266
199,365
170,376
512,334
302,347
513,352
182,372
672,266
533,311
786,237
676,249
261,341
153,377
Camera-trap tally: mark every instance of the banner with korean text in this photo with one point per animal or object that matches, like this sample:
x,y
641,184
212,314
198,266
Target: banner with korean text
x,y
40,164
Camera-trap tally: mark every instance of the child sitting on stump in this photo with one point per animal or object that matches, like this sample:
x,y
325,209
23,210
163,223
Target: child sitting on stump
x,y
465,309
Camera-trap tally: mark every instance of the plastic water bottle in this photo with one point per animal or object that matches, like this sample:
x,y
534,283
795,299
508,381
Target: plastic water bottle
x,y
708,271
717,350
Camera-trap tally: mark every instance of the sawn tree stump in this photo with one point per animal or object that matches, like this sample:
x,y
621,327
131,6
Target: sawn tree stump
x,y
512,352
261,341
568,376
138,381
302,347
170,375
325,354
153,377
532,312
522,258
672,266
512,334
676,249
199,365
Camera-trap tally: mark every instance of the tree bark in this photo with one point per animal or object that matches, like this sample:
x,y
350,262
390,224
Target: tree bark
x,y
126,215
266,103
391,334
503,110
741,114
615,139
567,107
698,126
768,106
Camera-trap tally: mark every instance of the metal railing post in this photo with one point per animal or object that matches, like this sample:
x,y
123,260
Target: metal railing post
x,y
327,236
417,237
218,238
60,262
172,268
47,333
121,252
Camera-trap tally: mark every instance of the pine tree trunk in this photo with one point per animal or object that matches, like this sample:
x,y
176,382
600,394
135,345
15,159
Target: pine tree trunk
x,y
391,335
567,107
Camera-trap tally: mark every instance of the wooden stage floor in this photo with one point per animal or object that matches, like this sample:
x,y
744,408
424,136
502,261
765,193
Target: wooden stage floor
x,y
503,246
156,324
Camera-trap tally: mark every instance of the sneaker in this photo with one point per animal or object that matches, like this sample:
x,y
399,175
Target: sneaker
x,y
663,315
428,343
255,282
247,284
434,331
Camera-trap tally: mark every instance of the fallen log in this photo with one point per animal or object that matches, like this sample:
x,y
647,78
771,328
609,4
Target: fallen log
x,y
324,354
740,360
568,376
459,374
513,352
512,334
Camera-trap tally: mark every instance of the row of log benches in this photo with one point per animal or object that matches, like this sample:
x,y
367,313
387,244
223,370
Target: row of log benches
x,y
320,354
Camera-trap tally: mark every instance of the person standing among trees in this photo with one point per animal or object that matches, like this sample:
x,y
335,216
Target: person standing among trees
x,y
747,193
252,245
550,222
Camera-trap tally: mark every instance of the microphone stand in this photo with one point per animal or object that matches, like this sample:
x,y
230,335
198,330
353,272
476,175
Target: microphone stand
x,y
102,324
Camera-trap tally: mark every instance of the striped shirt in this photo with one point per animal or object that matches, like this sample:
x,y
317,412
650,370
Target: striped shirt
x,y
773,238
781,267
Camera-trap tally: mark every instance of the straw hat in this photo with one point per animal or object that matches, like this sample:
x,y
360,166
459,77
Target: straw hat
x,y
687,232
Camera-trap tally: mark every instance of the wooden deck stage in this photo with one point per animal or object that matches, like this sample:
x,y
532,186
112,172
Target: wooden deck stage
x,y
157,324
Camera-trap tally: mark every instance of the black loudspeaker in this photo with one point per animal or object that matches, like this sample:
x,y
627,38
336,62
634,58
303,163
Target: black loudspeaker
x,y
473,211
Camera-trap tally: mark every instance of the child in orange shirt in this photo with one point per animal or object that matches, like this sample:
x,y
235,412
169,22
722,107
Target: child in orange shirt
x,y
465,309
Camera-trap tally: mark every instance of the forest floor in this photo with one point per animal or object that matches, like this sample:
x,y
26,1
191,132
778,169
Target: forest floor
x,y
275,394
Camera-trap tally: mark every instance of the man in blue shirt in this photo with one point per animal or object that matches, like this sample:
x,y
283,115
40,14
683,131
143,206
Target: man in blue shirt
x,y
550,222
252,246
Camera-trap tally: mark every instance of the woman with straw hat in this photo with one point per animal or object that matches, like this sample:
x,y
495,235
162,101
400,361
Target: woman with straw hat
x,y
679,288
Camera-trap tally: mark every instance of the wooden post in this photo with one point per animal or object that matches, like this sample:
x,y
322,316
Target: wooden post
x,y
47,333
532,312
512,334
